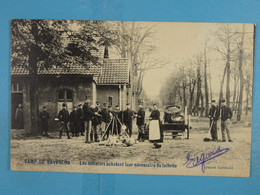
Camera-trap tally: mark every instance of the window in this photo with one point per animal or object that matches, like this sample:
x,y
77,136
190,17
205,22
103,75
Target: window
x,y
110,101
65,95
16,87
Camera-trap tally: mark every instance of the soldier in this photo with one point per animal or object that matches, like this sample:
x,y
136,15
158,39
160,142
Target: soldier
x,y
128,116
44,117
19,117
225,115
81,124
95,123
140,123
98,115
88,115
64,118
105,117
118,120
213,116
74,118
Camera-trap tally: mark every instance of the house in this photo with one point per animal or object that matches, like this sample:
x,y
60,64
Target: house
x,y
105,83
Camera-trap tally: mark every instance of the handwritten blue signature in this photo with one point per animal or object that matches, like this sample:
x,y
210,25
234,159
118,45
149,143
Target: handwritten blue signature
x,y
194,162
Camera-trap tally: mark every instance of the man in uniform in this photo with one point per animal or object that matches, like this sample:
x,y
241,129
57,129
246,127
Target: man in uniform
x,y
98,118
81,124
64,118
118,120
95,123
105,117
74,117
128,116
225,115
140,123
213,116
88,115
44,117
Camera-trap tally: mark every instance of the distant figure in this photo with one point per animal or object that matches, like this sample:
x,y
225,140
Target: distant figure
x,y
128,116
44,117
19,117
74,118
225,115
64,118
213,117
140,122
95,124
81,124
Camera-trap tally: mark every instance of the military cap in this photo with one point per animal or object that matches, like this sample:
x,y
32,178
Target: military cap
x,y
127,104
213,101
87,97
79,105
44,107
64,104
222,101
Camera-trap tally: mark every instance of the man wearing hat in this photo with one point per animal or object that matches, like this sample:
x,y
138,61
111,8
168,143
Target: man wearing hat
x,y
44,117
81,124
140,122
225,115
74,117
88,115
105,117
64,118
213,117
128,116
118,118
98,118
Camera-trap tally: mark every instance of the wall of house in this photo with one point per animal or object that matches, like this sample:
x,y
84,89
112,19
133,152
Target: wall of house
x,y
106,91
48,88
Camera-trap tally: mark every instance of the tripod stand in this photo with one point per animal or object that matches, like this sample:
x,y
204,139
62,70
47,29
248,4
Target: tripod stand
x,y
114,121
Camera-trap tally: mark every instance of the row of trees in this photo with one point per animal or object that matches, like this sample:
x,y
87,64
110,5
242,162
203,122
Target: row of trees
x,y
229,50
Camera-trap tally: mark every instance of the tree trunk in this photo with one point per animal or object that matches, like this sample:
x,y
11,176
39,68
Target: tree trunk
x,y
197,103
34,105
221,85
234,94
241,75
206,83
228,81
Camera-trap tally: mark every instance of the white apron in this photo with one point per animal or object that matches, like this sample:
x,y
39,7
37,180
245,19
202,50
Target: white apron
x,y
154,130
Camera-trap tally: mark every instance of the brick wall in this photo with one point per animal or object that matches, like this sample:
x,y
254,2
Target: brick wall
x,y
48,87
106,91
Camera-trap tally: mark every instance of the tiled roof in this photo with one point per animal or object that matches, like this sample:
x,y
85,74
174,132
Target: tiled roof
x,y
114,71
71,70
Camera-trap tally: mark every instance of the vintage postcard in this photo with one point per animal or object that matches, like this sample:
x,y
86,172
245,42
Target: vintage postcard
x,y
159,98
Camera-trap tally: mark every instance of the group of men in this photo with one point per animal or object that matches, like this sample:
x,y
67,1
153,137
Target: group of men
x,y
224,114
95,122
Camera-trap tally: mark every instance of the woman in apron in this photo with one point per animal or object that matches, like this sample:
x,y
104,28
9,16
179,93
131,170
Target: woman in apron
x,y
155,130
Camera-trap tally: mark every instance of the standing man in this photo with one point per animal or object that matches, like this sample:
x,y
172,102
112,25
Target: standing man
x,y
74,117
213,117
95,123
118,120
98,115
105,117
128,116
19,117
140,123
225,115
44,117
88,115
81,124
64,118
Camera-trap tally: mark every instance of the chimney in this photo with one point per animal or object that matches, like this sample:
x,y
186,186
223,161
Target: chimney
x,y
106,55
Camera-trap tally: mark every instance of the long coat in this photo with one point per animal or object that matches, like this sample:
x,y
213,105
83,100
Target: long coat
x,y
64,116
44,117
140,117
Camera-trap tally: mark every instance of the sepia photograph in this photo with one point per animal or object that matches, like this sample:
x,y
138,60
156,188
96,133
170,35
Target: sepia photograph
x,y
130,97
